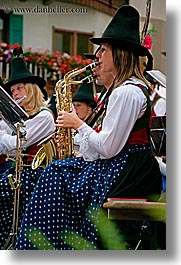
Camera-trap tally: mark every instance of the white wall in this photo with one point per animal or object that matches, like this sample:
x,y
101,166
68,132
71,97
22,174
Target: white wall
x,y
37,31
41,35
158,8
158,21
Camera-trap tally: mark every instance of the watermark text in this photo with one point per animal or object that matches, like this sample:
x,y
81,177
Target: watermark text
x,y
46,10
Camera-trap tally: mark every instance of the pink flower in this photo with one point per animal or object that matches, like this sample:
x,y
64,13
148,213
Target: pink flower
x,y
147,42
3,45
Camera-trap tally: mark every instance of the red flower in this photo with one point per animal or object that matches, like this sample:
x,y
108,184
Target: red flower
x,y
15,45
55,62
147,42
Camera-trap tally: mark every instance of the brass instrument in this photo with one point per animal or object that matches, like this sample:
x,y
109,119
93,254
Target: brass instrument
x,y
15,182
51,148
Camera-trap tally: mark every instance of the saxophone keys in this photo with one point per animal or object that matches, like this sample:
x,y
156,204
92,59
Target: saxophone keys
x,y
13,182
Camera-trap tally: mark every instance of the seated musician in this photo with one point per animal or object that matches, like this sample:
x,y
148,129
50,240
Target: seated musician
x,y
84,104
83,101
157,97
116,162
23,84
158,105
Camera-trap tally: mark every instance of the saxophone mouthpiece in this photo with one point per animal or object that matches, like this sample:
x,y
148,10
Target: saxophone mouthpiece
x,y
92,65
88,79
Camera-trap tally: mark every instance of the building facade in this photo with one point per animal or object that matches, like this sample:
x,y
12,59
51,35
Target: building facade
x,y
67,25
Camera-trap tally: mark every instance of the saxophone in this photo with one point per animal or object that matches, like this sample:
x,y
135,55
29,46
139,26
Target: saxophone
x,y
51,148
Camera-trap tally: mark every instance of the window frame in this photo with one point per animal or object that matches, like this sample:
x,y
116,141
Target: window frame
x,y
73,40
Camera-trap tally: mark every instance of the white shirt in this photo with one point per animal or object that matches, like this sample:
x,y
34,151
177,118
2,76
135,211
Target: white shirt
x,y
126,104
36,129
160,105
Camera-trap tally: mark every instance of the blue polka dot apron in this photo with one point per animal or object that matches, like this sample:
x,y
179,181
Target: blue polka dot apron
x,y
68,194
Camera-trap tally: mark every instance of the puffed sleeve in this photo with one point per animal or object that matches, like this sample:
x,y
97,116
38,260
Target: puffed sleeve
x,y
126,105
36,129
82,139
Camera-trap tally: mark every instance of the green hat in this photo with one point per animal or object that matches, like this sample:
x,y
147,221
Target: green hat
x,y
123,31
21,74
85,94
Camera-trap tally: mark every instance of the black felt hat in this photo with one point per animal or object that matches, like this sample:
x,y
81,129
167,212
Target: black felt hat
x,y
150,79
91,56
85,94
123,31
21,74
1,82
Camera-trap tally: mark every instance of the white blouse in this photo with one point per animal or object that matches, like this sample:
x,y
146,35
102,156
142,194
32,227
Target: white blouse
x,y
36,129
160,105
126,104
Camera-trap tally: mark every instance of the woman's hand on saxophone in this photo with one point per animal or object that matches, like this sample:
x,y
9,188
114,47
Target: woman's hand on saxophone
x,y
68,120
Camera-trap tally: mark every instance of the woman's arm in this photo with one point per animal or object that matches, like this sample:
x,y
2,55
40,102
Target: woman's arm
x,y
125,106
36,128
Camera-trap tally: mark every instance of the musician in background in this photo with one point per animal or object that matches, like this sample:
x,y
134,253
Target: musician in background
x,y
84,104
23,85
157,97
83,101
158,106
105,80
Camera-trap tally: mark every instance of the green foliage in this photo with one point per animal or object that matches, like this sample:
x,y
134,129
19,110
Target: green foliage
x,y
152,32
109,235
36,237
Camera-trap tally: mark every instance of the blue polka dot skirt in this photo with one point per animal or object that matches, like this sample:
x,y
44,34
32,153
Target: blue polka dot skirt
x,y
29,178
68,196
5,166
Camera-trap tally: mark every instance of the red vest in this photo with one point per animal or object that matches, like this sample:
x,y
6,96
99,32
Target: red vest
x,y
141,131
2,158
31,150
139,137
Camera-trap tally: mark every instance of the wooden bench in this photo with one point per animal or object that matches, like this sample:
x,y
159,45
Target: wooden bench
x,y
135,210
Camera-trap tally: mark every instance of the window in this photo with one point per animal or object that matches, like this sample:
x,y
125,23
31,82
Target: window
x,y
1,28
72,42
4,26
16,29
11,28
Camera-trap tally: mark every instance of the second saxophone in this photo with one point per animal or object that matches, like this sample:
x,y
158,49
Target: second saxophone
x,y
52,149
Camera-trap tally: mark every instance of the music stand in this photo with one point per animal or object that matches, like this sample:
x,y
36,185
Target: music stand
x,y
158,135
10,111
